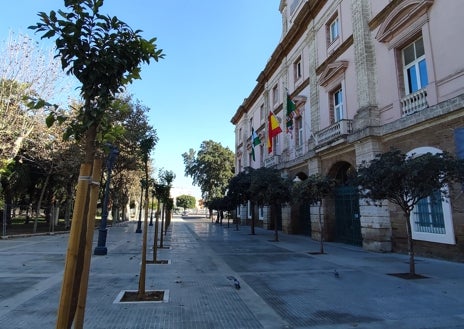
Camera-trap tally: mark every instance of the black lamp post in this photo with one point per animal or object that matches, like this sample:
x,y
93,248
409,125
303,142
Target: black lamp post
x,y
139,223
152,202
101,249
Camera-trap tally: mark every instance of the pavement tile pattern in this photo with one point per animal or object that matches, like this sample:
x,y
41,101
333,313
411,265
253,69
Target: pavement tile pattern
x,y
284,284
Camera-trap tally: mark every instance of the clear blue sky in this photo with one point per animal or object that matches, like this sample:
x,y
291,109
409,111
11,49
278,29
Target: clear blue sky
x,y
214,50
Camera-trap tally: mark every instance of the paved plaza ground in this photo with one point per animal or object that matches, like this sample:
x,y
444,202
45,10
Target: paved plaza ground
x,y
283,284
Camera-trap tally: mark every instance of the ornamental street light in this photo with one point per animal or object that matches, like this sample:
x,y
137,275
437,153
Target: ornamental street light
x,y
101,249
139,223
152,202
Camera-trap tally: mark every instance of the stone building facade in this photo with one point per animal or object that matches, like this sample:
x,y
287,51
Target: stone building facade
x,y
365,76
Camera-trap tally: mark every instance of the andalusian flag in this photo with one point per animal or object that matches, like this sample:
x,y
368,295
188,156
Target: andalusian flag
x,y
274,130
255,141
291,110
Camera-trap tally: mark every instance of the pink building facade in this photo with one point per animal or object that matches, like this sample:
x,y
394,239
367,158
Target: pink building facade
x,y
365,76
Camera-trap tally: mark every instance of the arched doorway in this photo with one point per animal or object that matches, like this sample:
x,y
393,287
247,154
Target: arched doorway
x,y
301,212
346,204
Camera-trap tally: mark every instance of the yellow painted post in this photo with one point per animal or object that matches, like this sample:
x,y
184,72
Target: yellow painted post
x,y
71,269
92,209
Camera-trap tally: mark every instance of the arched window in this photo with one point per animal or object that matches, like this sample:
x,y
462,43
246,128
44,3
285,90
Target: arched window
x,y
431,218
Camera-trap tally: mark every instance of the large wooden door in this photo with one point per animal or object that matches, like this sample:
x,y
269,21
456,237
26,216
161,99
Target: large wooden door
x,y
347,218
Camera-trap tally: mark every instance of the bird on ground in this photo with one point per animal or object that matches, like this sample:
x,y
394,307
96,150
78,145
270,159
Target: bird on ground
x,y
236,282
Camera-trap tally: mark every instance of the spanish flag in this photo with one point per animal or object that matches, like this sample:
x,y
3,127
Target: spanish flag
x,y
274,130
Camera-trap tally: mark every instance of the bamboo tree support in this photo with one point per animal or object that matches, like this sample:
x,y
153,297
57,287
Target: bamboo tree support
x,y
94,190
72,270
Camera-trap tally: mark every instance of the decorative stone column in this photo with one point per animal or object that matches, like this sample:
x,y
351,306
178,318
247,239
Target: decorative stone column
x,y
286,218
375,226
364,51
243,214
375,221
315,225
267,218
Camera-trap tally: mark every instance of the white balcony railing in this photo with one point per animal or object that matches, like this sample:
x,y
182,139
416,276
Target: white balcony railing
x,y
414,102
299,151
271,161
338,129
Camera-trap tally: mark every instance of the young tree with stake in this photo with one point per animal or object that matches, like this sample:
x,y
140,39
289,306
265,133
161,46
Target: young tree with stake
x,y
104,54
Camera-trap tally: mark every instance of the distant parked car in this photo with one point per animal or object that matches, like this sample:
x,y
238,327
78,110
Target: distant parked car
x,y
185,213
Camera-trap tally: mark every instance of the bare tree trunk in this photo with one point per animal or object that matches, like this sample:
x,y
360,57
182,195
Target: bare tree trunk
x,y
163,211
252,219
412,265
155,240
276,229
143,269
321,226
68,205
39,203
7,201
124,216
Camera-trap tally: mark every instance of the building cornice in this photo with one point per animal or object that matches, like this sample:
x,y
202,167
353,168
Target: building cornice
x,y
299,26
380,17
402,15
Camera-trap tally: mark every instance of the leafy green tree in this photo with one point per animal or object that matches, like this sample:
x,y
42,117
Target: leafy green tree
x,y
404,180
269,188
166,177
130,119
221,205
104,54
211,168
17,124
238,191
226,204
262,187
239,186
313,190
56,162
161,192
169,210
185,201
26,71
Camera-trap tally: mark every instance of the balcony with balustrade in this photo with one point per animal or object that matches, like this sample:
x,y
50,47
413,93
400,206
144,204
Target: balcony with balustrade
x,y
334,132
414,102
271,161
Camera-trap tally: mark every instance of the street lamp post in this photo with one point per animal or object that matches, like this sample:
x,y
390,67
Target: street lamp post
x,y
139,223
152,202
101,249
